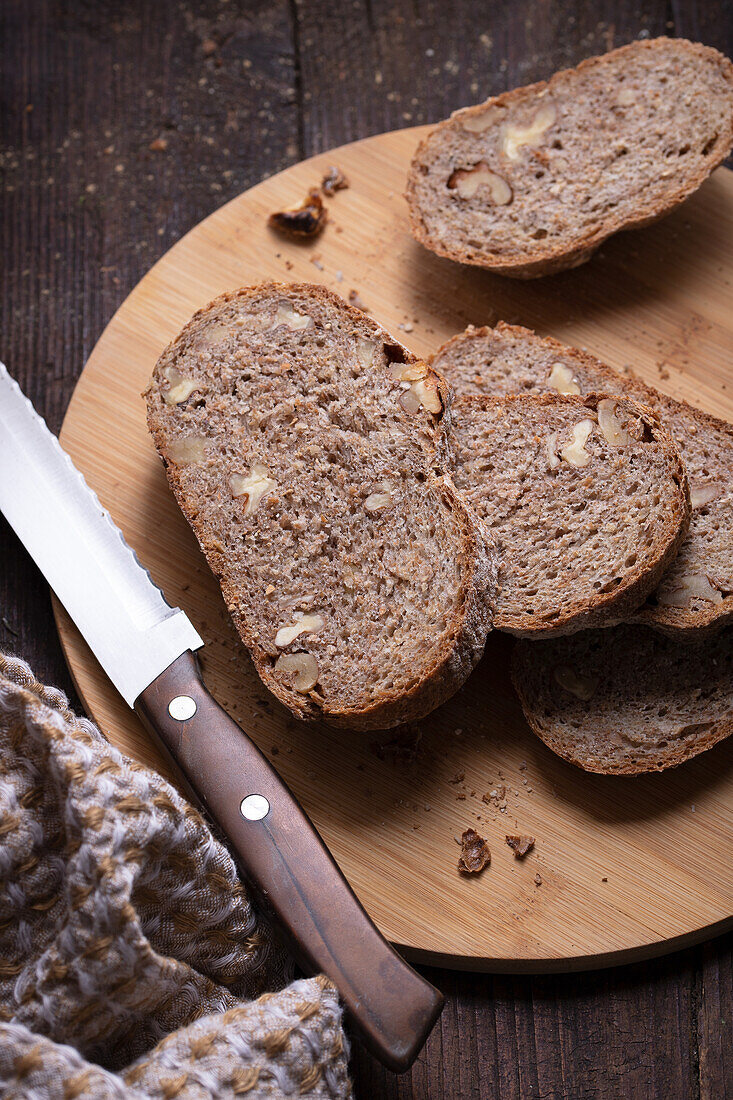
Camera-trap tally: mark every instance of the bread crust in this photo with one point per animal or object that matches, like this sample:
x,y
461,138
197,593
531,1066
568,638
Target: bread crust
x,y
686,626
603,608
552,258
472,615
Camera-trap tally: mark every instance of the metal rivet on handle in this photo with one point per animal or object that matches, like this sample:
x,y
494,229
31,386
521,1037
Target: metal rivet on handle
x,y
182,708
254,807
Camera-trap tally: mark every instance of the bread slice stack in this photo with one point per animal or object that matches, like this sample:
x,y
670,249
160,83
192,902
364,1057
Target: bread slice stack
x,y
534,180
626,699
307,450
695,595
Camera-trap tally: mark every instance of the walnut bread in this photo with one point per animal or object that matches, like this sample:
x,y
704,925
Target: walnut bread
x,y
626,700
586,499
695,595
534,180
307,450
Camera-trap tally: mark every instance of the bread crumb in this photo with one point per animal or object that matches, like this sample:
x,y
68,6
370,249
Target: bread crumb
x,y
159,145
494,796
475,854
356,300
458,777
538,879
333,181
520,845
401,749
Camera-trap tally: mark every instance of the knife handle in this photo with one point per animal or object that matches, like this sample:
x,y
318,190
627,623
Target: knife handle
x,y
289,866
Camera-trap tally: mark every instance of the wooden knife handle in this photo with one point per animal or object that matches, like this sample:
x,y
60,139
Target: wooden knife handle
x,y
285,860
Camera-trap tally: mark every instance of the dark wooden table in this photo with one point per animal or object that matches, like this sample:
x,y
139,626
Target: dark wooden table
x,y
124,122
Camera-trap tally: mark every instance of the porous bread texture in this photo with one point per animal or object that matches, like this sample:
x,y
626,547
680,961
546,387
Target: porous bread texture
x,y
532,181
695,596
585,498
306,448
626,700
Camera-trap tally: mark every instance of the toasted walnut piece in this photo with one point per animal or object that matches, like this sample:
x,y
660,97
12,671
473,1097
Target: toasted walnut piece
x,y
306,624
626,96
520,845
303,667
575,453
376,502
689,588
333,181
515,137
466,182
475,854
610,423
428,396
551,451
422,392
306,220
187,450
478,124
253,485
287,315
365,350
562,379
410,402
179,387
583,687
213,334
700,495
408,372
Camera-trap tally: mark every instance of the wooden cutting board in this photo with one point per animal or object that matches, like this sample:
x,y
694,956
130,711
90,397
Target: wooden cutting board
x,y
623,867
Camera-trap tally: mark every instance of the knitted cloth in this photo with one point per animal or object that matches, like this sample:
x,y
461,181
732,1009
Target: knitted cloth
x,y
132,963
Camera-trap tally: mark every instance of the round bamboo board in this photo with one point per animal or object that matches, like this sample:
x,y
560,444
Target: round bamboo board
x,y
622,868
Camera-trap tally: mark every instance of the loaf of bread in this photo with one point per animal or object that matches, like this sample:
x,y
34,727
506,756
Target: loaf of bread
x,y
532,181
585,498
695,595
306,448
626,700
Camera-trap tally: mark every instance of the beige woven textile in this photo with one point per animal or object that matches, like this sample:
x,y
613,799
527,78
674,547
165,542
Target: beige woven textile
x,y
132,963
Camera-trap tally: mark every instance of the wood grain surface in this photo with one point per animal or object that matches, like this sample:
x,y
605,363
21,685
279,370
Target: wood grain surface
x,y
87,207
623,864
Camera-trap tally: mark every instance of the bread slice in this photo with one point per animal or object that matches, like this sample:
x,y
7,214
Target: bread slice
x,y
626,700
306,449
586,499
695,596
532,181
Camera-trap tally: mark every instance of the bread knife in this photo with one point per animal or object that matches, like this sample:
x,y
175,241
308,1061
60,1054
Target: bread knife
x,y
146,648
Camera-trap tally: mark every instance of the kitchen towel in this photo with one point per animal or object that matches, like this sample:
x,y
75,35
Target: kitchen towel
x,y
132,963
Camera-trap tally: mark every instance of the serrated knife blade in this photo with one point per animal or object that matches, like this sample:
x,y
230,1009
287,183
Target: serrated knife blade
x,y
124,617
144,645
